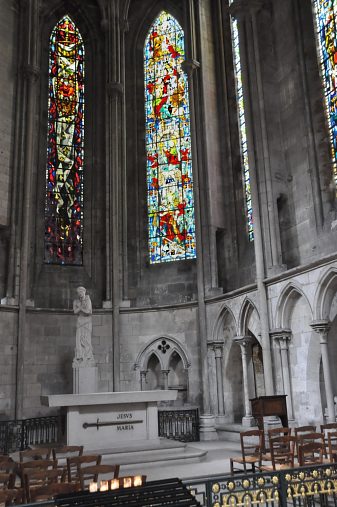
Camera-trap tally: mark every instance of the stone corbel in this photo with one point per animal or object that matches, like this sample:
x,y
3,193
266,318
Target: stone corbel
x,y
189,66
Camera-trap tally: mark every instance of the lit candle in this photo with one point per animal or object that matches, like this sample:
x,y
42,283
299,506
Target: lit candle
x,y
104,486
114,484
127,483
137,480
93,487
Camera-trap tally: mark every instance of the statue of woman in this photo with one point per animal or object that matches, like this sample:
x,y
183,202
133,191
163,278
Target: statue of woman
x,y
83,309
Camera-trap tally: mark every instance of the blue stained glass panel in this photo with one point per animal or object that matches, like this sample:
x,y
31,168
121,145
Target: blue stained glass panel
x,y
170,198
242,127
325,14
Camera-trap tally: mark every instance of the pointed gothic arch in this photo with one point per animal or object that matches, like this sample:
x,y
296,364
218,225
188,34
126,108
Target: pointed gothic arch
x,y
288,297
163,347
225,315
248,311
325,292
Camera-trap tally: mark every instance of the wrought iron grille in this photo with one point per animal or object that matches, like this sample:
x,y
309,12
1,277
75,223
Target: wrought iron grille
x,y
18,435
301,487
182,425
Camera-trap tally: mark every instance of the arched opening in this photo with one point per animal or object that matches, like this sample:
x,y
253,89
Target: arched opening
x,y
153,377
233,386
178,378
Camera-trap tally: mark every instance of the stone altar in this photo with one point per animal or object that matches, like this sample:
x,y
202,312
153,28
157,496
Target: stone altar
x,y
105,420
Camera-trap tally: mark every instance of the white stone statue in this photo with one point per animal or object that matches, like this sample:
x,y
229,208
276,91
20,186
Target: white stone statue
x,y
83,309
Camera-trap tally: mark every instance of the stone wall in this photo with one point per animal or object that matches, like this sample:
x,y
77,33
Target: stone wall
x,y
8,48
8,326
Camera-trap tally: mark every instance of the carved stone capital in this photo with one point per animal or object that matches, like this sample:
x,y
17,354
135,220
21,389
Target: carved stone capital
x,y
189,66
322,328
244,342
115,89
242,8
217,346
282,336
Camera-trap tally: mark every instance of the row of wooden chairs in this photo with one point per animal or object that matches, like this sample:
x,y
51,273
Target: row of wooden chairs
x,y
307,445
44,471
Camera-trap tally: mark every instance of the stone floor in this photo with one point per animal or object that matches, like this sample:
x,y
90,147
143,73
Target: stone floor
x,y
215,462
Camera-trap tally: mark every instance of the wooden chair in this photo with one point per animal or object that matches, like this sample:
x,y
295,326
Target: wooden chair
x,y
326,429
280,431
62,453
36,464
311,454
332,446
75,463
35,478
8,465
7,480
91,473
303,430
32,454
12,496
67,451
50,491
282,450
251,451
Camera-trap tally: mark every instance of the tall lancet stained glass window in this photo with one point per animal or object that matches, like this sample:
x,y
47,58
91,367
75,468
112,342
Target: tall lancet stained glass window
x,y
242,126
170,201
325,13
64,172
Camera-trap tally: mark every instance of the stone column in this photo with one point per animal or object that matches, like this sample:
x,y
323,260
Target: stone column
x,y
283,336
245,343
239,9
143,382
322,327
164,376
217,347
191,66
113,27
31,72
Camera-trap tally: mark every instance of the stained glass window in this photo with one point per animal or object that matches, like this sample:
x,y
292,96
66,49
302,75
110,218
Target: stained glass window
x,y
325,17
64,172
171,226
242,126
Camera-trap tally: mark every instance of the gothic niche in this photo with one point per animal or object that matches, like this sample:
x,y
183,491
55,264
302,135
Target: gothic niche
x,y
163,364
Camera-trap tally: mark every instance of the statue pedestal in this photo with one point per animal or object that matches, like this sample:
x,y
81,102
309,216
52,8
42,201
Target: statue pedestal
x,y
85,379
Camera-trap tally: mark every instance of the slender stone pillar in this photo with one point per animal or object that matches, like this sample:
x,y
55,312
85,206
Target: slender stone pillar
x,y
113,27
31,74
283,336
164,376
190,66
245,343
239,10
322,327
217,347
143,382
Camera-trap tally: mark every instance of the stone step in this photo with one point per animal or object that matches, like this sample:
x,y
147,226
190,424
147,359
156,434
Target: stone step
x,y
165,450
231,432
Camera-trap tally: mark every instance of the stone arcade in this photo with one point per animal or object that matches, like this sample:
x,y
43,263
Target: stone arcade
x,y
141,186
